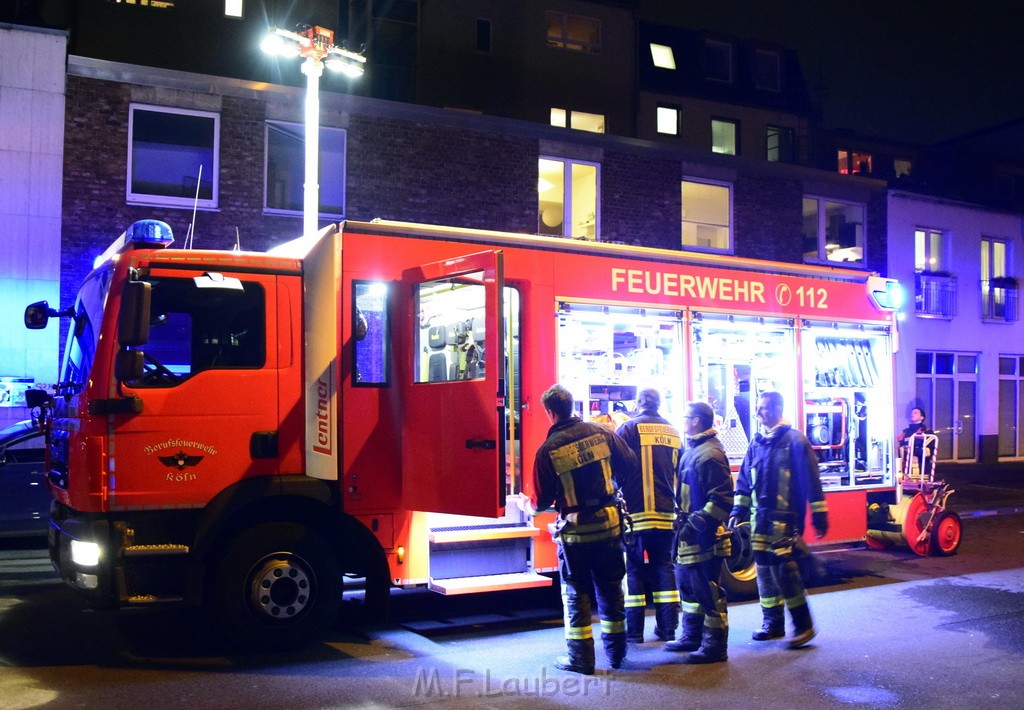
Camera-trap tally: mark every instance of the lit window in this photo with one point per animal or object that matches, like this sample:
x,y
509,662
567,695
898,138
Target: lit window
x,y
723,137
286,169
668,120
853,163
928,250
998,288
578,120
172,156
833,231
232,8
781,144
707,216
902,168
717,61
581,34
567,193
663,56
767,71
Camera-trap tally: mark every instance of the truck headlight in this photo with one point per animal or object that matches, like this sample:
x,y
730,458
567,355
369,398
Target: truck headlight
x,y
85,554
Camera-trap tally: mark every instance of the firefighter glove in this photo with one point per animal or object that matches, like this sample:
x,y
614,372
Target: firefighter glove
x,y
700,529
820,522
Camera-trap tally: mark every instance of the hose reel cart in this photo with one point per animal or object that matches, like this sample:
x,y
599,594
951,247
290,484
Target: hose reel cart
x,y
918,518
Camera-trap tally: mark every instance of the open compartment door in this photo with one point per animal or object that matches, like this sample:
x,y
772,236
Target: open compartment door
x,y
453,389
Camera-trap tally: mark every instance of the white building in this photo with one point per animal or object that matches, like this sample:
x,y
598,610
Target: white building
x,y
31,169
961,356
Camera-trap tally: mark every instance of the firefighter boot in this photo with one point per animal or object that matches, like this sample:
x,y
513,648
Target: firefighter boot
x,y
774,626
714,646
615,648
580,658
803,626
689,640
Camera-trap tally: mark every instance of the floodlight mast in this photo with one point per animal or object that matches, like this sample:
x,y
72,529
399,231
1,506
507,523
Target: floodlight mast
x,y
316,46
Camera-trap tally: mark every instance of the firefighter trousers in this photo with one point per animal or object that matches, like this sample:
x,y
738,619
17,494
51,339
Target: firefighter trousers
x,y
654,576
703,599
593,569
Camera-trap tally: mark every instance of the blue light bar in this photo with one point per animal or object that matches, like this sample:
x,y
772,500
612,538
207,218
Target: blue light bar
x,y
151,232
144,233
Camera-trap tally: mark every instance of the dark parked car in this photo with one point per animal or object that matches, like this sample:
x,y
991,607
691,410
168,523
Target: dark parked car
x,y
24,496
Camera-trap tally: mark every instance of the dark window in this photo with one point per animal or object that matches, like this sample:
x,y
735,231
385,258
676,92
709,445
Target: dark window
x,y
781,144
171,153
767,72
717,60
483,36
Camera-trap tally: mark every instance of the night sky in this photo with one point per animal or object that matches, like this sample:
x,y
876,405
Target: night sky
x,y
919,71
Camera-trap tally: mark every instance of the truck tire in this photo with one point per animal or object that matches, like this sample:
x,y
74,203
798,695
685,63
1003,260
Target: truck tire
x,y
276,587
739,576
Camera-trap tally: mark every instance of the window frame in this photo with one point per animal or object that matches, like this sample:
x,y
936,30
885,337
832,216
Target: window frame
x,y
821,256
185,201
776,87
790,157
563,41
567,195
729,227
997,281
677,112
735,135
482,23
718,44
322,164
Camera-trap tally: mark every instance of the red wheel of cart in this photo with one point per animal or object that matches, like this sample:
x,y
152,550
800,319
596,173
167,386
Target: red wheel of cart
x,y
946,534
876,544
913,524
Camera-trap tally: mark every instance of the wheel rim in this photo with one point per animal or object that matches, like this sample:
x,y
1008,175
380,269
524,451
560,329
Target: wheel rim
x,y
947,533
281,588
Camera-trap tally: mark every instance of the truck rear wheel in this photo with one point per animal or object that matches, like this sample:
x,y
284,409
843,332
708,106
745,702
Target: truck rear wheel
x,y
277,586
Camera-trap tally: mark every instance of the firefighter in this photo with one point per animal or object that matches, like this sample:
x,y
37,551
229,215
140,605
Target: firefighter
x,y
575,471
648,494
703,501
778,481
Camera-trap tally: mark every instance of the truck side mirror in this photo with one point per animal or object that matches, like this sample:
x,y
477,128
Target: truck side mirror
x,y
38,314
133,320
128,365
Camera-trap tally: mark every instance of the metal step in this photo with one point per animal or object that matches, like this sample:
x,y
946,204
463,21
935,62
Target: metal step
x,y
480,534
488,583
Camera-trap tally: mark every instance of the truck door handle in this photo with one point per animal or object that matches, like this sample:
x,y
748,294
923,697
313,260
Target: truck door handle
x,y
488,444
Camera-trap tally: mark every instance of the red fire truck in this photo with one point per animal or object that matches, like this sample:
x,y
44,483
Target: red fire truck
x,y
254,431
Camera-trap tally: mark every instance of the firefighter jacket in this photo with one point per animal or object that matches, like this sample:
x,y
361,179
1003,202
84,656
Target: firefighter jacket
x,y
575,471
649,489
779,480
703,498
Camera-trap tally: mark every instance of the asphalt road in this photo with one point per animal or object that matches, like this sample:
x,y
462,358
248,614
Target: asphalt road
x,y
895,631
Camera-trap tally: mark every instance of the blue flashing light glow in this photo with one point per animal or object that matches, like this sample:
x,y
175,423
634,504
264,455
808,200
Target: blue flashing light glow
x,y
889,294
145,232
150,231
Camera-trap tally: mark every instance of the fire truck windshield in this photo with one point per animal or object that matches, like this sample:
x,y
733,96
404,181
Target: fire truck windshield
x,y
83,333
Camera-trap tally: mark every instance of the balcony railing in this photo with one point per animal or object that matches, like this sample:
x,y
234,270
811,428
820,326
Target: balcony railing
x,y
999,299
935,295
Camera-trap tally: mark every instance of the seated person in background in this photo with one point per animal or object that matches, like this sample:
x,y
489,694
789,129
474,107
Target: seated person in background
x,y
917,426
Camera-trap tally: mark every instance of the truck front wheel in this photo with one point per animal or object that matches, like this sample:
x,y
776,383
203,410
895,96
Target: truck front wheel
x,y
277,586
